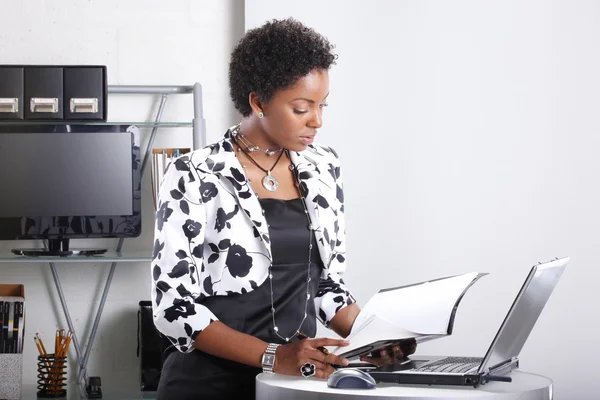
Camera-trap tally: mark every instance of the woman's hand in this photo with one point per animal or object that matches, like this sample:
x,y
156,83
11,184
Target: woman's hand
x,y
391,354
289,358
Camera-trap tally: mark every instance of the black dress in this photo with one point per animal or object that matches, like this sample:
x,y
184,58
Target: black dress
x,y
198,375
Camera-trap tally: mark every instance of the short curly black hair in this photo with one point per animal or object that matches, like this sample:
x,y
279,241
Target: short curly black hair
x,y
273,57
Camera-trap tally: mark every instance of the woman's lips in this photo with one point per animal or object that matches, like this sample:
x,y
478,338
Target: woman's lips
x,y
307,139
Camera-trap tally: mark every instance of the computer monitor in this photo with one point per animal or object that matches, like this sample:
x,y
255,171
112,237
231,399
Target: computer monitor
x,y
62,182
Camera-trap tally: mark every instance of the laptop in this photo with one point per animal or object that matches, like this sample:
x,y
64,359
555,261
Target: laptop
x,y
503,353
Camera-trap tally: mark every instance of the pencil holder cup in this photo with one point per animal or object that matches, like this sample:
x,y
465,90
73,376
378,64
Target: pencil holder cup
x,y
51,376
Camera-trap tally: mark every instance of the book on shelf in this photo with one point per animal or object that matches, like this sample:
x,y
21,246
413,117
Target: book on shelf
x,y
421,312
12,319
161,158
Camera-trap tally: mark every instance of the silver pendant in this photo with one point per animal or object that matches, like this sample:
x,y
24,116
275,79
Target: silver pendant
x,y
270,183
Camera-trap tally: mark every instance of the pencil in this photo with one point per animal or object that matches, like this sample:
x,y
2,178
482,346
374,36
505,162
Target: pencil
x,y
41,344
56,376
65,348
56,341
37,344
61,347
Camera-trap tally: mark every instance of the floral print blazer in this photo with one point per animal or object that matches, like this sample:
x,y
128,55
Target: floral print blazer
x,y
212,239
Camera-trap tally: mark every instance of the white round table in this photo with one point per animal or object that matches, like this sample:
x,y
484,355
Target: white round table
x,y
524,386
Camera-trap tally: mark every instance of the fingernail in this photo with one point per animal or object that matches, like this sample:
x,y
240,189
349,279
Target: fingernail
x,y
345,342
345,362
396,348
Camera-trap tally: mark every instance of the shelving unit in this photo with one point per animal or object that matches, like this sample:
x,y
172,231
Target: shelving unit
x,y
198,125
139,123
109,256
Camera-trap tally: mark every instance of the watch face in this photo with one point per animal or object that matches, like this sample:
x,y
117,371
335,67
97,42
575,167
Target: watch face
x,y
269,359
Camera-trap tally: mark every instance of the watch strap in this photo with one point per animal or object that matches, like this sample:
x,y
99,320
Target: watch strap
x,y
268,358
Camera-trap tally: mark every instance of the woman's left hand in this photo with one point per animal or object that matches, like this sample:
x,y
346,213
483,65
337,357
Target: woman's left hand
x,y
391,354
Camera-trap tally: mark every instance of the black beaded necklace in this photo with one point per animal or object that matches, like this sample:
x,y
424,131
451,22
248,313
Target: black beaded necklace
x,y
269,181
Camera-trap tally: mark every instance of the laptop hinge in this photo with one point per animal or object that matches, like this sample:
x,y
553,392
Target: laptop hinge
x,y
497,373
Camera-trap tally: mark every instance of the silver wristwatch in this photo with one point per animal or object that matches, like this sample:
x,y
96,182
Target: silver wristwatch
x,y
268,358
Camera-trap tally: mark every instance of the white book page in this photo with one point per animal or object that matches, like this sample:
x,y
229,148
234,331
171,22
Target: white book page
x,y
424,308
363,318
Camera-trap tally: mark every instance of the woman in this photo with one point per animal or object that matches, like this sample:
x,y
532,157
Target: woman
x,y
249,243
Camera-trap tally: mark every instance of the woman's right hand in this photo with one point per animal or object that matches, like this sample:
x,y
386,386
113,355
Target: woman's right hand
x,y
289,358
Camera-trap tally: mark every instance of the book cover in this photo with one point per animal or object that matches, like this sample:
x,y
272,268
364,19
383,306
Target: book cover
x,y
10,344
1,326
16,321
5,327
21,325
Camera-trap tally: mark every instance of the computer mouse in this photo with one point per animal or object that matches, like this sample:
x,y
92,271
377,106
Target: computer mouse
x,y
350,378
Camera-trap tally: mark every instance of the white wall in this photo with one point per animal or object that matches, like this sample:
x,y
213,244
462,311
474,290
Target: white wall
x,y
468,132
145,42
471,124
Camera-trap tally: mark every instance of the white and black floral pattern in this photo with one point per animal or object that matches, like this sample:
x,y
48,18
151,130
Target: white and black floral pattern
x,y
211,237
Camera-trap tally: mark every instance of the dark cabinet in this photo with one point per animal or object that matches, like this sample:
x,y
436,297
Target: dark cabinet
x,y
44,93
53,92
85,93
11,93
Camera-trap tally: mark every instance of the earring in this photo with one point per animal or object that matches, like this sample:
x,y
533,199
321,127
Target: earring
x,y
260,114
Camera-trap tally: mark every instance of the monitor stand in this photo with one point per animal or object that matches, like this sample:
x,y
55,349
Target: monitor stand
x,y
57,247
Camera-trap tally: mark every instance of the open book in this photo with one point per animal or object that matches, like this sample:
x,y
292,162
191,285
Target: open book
x,y
421,312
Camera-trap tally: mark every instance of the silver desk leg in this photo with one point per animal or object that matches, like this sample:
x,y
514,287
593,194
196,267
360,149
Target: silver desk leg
x,y
63,302
88,348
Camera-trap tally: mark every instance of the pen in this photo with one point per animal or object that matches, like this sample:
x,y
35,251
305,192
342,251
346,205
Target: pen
x,y
322,349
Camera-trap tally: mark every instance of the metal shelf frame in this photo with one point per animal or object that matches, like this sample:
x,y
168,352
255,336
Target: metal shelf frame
x,y
199,140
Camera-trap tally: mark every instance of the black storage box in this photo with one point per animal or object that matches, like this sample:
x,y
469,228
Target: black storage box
x,y
85,93
43,93
11,93
53,92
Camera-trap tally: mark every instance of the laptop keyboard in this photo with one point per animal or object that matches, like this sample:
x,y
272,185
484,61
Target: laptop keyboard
x,y
451,365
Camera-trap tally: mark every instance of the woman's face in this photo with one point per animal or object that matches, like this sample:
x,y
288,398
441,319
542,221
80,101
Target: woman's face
x,y
293,115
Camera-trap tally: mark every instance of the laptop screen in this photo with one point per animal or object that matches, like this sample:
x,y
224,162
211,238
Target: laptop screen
x,y
524,312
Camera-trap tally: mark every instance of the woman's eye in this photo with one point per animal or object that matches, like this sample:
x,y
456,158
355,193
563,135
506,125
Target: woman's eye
x,y
300,111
